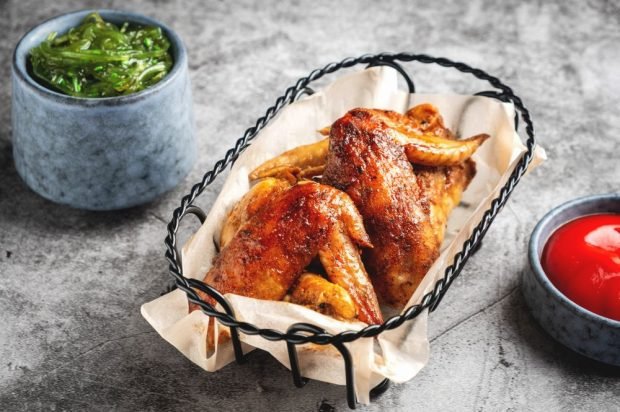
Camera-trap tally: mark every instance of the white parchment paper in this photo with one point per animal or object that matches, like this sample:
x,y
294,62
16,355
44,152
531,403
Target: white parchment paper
x,y
400,353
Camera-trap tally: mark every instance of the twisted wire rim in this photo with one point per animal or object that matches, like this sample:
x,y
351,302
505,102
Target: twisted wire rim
x,y
429,300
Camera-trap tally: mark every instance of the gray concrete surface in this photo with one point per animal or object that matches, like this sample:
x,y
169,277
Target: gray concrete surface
x,y
71,336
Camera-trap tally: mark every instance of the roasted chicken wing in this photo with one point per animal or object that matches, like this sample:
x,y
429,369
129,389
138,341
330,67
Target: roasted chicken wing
x,y
404,209
269,251
310,290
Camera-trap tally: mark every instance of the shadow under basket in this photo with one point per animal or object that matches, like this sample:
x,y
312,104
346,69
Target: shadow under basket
x,y
301,333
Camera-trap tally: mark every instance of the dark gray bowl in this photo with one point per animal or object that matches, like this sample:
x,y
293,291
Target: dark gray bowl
x,y
583,331
102,153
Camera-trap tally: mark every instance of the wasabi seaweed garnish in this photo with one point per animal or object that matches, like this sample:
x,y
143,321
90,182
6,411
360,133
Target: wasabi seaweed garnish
x,y
100,59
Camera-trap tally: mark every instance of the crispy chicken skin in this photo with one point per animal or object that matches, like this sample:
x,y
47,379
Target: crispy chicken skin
x,y
404,210
269,252
257,197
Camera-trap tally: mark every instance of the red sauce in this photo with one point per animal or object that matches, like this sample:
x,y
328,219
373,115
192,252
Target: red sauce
x,y
582,259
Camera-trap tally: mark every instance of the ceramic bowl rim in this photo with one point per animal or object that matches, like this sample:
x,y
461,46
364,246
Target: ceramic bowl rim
x,y
536,266
177,48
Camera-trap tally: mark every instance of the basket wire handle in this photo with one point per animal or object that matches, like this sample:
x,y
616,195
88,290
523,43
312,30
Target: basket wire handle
x,y
398,68
306,91
212,292
234,333
502,97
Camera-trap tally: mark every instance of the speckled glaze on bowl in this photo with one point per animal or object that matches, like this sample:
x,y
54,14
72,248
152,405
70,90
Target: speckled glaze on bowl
x,y
583,331
102,153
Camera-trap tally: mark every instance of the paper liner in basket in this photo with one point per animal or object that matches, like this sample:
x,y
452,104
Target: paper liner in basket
x,y
400,353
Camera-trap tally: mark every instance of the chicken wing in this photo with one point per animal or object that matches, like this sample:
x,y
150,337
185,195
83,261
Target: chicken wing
x,y
268,252
404,210
311,290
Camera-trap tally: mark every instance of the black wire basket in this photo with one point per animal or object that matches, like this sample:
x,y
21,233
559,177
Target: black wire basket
x,y
302,333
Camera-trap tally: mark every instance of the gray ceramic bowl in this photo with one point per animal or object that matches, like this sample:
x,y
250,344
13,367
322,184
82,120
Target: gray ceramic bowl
x,y
583,331
102,153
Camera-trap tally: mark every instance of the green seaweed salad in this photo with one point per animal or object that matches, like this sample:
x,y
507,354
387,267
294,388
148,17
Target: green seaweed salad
x,y
100,59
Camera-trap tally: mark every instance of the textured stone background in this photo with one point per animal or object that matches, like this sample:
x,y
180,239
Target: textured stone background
x,y
72,281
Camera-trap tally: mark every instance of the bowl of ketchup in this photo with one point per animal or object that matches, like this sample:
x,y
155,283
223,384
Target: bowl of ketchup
x,y
573,287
